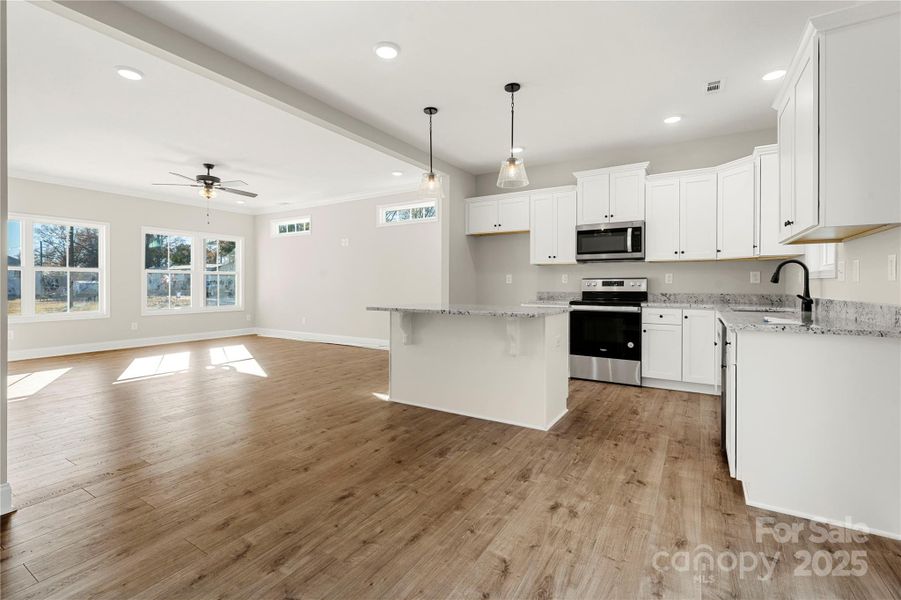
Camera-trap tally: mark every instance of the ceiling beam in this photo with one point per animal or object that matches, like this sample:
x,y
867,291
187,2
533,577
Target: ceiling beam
x,y
137,30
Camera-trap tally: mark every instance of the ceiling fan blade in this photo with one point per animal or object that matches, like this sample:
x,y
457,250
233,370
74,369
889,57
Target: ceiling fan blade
x,y
182,176
232,182
239,192
178,184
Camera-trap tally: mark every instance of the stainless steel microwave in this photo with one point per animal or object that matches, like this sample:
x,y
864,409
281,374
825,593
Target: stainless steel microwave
x,y
610,241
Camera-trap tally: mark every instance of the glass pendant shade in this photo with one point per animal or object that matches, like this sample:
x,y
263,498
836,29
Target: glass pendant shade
x,y
208,193
431,188
512,174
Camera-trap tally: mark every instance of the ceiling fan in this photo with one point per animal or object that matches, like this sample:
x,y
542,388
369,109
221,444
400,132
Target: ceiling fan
x,y
209,184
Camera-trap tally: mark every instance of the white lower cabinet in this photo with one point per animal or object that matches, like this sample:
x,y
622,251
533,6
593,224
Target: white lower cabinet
x,y
679,346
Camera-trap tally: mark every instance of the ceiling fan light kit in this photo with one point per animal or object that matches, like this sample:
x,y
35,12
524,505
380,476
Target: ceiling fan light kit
x,y
431,187
513,170
209,184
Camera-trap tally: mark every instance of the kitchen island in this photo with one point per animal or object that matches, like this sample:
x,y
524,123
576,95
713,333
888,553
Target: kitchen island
x,y
502,363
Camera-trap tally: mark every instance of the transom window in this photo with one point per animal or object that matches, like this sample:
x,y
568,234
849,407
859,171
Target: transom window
x,y
188,271
414,212
291,226
63,276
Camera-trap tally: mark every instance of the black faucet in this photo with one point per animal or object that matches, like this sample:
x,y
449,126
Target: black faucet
x,y
806,300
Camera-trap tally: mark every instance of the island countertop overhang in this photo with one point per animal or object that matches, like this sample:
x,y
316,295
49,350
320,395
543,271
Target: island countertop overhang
x,y
476,310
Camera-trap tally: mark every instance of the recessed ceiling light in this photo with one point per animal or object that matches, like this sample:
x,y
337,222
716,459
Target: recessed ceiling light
x,y
517,149
387,50
240,202
129,73
397,173
672,119
285,203
773,75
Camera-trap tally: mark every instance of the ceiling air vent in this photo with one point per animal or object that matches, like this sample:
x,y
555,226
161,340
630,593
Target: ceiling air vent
x,y
715,86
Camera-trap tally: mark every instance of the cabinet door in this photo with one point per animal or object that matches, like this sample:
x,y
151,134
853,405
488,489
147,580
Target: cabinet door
x,y
627,195
767,197
732,407
543,233
481,216
735,212
593,199
565,207
786,126
661,352
513,214
697,217
662,222
698,350
806,199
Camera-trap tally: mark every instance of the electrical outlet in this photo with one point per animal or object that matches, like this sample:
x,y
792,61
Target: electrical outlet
x,y
892,267
755,276
303,320
564,278
10,334
249,317
840,270
668,278
345,242
855,270
509,278
134,325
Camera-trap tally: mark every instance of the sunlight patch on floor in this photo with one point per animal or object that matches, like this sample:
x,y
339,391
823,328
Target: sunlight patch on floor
x,y
238,358
161,365
23,385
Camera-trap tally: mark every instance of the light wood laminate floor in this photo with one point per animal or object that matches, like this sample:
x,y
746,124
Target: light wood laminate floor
x,y
263,468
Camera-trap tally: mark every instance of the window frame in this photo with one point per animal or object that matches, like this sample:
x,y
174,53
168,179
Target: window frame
x,y
28,270
197,272
274,224
381,209
817,259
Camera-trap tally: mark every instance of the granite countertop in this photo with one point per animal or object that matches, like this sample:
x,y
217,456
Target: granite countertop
x,y
477,310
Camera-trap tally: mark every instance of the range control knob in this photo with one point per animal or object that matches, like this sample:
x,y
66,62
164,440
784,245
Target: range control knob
x,y
630,345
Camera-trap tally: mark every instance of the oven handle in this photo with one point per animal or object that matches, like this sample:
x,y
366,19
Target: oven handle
x,y
629,240
620,309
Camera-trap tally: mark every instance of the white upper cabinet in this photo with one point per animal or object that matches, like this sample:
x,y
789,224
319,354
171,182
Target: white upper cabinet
x,y
552,239
662,223
697,216
503,213
840,127
766,205
612,194
735,210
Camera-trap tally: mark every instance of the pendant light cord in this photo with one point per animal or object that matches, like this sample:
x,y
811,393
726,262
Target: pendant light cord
x,y
511,124
431,170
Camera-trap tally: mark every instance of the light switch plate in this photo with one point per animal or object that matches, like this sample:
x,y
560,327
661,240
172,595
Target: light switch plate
x,y
668,278
509,278
840,271
755,276
855,270
10,334
892,267
564,278
134,325
345,242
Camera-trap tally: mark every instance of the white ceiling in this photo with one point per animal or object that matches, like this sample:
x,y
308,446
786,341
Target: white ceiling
x,y
595,75
73,120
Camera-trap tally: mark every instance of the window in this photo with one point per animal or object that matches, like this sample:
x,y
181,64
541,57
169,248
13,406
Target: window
x,y
178,279
221,275
292,226
63,276
414,212
820,259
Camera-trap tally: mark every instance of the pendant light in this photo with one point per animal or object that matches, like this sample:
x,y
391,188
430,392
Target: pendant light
x,y
513,170
431,187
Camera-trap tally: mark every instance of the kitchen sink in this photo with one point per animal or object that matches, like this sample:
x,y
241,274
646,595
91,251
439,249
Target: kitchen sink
x,y
763,309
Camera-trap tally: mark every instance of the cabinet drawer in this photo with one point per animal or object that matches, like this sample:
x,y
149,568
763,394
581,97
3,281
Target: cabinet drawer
x,y
662,316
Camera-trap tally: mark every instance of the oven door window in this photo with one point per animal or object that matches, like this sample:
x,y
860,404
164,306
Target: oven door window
x,y
609,241
605,334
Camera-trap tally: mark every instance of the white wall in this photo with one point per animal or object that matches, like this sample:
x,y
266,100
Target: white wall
x,y
126,215
313,284
495,257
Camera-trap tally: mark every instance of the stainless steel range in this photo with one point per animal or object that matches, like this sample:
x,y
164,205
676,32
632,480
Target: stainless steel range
x,y
605,330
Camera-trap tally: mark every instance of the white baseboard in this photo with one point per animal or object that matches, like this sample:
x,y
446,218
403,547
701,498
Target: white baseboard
x,y
6,498
680,386
325,338
821,519
122,344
